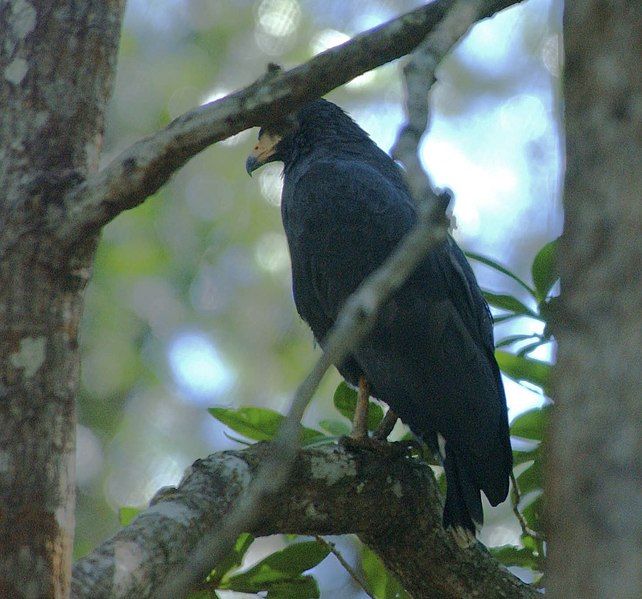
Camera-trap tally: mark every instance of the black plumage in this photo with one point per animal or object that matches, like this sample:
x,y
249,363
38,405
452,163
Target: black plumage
x,y
430,356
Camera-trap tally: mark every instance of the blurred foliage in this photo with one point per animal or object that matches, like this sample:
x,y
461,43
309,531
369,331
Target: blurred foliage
x,y
190,303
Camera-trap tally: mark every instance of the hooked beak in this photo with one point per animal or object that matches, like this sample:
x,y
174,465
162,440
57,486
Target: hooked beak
x,y
251,164
264,151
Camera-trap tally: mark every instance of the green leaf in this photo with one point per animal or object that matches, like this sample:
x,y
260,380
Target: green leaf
x,y
498,267
236,439
544,269
533,513
504,317
233,559
127,514
521,457
302,587
345,400
260,424
381,583
509,555
282,566
529,347
521,368
510,303
531,424
310,436
531,478
335,427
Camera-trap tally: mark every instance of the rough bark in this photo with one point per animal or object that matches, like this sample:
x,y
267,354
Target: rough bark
x,y
595,463
331,490
57,61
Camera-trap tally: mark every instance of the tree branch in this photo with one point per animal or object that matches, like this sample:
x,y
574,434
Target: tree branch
x,y
419,75
142,169
331,490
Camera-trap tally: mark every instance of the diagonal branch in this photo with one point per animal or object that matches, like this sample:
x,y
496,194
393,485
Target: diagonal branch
x,y
331,490
419,75
355,320
142,169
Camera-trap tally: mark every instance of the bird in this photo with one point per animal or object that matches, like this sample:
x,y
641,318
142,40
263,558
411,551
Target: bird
x,y
430,354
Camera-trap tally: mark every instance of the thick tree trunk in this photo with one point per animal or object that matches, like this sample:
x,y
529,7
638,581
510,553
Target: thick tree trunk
x,y
57,61
595,462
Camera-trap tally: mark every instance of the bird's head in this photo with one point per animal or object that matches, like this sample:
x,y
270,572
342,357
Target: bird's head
x,y
274,144
319,124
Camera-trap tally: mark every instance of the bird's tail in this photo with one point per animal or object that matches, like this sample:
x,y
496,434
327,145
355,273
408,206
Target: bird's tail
x,y
463,513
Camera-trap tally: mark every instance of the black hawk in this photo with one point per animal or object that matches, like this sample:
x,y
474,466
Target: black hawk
x,y
430,356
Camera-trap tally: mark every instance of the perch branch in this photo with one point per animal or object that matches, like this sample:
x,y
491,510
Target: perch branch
x,y
331,490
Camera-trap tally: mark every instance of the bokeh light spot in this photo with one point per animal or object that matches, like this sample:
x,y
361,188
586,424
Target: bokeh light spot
x,y
551,55
276,24
278,17
326,39
216,94
197,367
272,252
271,184
89,455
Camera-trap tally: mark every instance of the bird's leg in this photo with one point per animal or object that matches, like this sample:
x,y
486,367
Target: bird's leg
x,y
359,439
386,426
360,421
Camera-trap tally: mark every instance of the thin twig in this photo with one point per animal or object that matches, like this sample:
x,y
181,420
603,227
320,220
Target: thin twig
x,y
347,567
419,76
515,498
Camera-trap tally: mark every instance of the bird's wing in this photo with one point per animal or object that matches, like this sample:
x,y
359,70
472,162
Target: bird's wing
x,y
487,433
465,294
